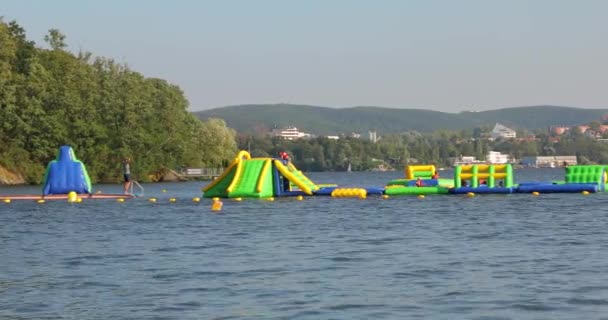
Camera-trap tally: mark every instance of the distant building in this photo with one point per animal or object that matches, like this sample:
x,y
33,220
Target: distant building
x,y
373,136
496,157
290,133
548,161
558,130
502,132
465,160
333,137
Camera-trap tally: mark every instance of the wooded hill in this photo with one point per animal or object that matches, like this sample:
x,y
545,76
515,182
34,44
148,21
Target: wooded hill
x,y
331,121
50,97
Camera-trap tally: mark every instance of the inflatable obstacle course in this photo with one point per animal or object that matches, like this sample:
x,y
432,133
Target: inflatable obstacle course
x,y
248,177
483,178
580,178
408,185
422,171
489,175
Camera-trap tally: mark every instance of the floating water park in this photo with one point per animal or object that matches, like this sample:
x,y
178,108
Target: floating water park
x,y
267,177
66,177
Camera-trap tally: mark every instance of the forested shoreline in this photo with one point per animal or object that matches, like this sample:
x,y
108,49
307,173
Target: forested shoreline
x,y
51,97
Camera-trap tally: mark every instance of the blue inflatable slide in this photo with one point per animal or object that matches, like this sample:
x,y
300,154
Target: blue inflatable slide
x,y
66,174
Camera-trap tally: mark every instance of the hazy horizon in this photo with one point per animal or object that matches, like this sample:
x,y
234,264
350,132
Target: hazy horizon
x,y
436,55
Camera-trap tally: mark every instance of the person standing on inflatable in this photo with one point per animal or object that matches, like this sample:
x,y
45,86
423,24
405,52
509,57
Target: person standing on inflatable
x,y
285,161
284,157
126,171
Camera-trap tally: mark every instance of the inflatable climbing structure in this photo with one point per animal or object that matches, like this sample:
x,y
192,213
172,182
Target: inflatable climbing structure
x,y
408,185
248,177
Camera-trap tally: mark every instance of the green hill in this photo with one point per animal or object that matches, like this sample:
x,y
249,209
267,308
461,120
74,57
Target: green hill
x,y
323,120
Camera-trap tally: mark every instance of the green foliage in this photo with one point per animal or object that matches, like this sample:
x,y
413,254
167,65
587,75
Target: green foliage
x,y
105,111
397,151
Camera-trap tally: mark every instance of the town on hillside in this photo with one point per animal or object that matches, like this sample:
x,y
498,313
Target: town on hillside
x,y
597,130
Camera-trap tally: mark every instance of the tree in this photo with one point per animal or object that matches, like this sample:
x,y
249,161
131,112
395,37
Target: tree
x,y
55,39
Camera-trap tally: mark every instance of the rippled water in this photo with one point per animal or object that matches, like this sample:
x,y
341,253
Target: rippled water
x,y
442,257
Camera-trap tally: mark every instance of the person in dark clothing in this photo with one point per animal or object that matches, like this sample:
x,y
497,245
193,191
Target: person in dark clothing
x,y
126,172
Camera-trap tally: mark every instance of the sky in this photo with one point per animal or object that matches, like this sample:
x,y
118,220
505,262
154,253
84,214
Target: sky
x,y
425,54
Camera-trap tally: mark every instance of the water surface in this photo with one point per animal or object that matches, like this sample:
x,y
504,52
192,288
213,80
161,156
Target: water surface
x,y
441,257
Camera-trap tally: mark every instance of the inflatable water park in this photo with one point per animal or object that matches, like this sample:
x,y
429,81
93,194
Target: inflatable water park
x,y
267,177
66,178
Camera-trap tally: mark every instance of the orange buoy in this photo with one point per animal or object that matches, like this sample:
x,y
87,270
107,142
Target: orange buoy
x,y
216,205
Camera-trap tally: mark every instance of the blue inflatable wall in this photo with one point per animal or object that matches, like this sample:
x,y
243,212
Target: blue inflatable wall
x,y
557,188
65,174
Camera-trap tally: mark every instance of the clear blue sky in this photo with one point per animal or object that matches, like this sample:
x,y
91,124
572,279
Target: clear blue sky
x,y
440,55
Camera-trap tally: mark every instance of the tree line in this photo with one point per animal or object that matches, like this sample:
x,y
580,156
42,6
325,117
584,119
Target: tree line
x,y
51,97
439,148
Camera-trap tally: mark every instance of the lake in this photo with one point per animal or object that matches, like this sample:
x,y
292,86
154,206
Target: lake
x,y
442,257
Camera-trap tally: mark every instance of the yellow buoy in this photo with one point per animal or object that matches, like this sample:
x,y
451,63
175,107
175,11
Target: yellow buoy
x,y
470,194
152,199
40,201
385,196
535,193
238,199
196,199
172,200
216,205
300,198
215,198
585,192
164,190
120,200
420,196
7,200
72,196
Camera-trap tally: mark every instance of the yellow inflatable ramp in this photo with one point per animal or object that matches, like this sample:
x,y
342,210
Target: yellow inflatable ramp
x,y
298,179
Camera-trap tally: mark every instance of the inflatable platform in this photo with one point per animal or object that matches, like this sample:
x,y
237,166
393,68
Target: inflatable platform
x,y
496,179
425,173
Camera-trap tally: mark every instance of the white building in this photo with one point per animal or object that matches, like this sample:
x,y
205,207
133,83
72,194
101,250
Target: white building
x,y
465,160
373,136
549,161
502,132
496,157
290,133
